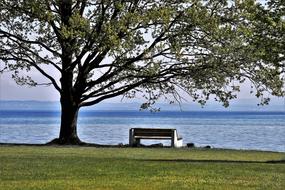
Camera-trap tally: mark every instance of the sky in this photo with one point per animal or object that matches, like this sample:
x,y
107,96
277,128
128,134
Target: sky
x,y
9,90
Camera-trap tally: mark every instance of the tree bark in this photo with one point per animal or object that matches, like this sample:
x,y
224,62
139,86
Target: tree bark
x,y
69,97
69,112
68,126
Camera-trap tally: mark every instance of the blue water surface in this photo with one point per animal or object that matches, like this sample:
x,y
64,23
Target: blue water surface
x,y
237,130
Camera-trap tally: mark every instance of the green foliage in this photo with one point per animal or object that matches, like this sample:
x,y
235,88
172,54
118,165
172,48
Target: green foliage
x,y
104,49
133,168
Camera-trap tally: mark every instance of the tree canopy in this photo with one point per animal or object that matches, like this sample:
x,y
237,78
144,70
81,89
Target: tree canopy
x,y
157,48
116,47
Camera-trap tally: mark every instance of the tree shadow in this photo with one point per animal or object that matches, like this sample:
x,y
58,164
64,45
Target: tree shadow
x,y
216,161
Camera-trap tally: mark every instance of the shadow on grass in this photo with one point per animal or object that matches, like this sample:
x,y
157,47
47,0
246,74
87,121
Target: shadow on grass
x,y
216,161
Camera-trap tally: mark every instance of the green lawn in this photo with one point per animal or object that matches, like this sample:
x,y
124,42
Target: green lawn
x,y
28,167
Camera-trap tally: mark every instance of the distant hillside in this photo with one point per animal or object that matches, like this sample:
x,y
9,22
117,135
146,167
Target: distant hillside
x,y
241,105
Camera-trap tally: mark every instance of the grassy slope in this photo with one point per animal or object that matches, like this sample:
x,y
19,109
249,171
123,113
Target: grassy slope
x,y
130,168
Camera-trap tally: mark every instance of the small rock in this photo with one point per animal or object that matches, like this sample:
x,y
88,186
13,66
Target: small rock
x,y
120,145
190,145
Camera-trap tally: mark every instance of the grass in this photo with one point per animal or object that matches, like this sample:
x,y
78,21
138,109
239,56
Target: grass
x,y
28,167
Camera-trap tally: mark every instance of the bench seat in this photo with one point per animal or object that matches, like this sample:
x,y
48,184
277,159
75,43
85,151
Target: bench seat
x,y
136,134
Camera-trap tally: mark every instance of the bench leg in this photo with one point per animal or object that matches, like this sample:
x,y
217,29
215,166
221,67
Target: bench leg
x,y
131,138
172,143
178,143
137,142
133,141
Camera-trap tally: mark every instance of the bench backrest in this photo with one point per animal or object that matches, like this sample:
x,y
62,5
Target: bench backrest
x,y
153,132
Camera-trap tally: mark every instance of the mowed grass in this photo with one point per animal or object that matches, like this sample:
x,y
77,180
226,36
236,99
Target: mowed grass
x,y
28,167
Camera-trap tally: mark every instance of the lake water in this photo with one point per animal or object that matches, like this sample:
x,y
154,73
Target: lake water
x,y
236,130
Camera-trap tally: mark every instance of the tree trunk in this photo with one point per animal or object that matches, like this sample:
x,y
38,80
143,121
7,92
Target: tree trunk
x,y
68,126
68,97
69,112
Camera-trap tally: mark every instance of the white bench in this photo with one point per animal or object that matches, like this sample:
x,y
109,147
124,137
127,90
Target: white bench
x,y
136,134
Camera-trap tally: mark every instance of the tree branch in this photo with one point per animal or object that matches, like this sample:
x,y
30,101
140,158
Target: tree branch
x,y
33,64
35,54
9,35
120,92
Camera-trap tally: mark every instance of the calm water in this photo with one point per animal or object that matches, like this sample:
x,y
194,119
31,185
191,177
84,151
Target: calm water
x,y
237,130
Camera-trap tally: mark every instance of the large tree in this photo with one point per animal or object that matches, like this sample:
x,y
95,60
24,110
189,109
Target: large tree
x,y
156,48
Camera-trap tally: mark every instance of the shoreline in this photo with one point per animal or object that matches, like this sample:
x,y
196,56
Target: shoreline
x,y
127,146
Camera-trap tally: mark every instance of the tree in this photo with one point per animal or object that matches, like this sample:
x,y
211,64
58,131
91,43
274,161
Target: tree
x,y
158,48
264,33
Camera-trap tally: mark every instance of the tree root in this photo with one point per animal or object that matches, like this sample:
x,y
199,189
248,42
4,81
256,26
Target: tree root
x,y
72,141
